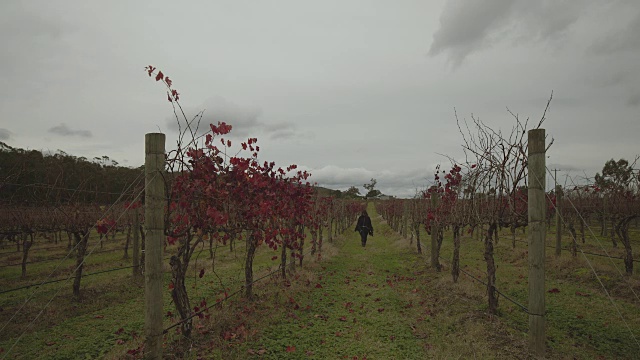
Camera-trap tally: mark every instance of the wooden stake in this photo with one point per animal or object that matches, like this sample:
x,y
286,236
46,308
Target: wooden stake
x,y
536,237
558,219
154,242
434,235
136,244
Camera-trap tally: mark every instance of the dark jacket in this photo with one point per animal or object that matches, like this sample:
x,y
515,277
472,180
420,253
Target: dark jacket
x,y
364,225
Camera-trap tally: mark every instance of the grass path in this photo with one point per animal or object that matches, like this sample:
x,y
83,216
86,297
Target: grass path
x,y
354,306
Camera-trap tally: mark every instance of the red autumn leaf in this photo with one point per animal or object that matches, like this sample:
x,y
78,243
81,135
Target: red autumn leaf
x,y
160,76
99,316
170,286
291,348
168,81
119,331
274,258
169,314
169,98
380,310
554,291
318,286
343,318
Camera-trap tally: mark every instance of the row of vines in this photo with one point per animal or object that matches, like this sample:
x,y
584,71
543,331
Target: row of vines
x,y
215,195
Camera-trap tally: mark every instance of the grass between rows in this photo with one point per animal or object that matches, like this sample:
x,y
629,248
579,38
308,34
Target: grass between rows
x,y
382,302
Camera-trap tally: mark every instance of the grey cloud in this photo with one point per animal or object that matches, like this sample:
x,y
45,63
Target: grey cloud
x,y
282,135
466,27
606,79
5,134
64,130
397,183
33,42
623,39
548,19
633,100
244,120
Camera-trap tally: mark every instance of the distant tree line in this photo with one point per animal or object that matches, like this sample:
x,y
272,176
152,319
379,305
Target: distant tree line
x,y
30,177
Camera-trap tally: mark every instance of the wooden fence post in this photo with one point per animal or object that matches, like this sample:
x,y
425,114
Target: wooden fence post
x,y
536,237
434,234
136,244
154,242
558,219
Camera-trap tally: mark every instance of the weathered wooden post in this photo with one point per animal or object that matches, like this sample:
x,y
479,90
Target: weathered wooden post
x,y
434,234
136,244
558,219
536,237
154,241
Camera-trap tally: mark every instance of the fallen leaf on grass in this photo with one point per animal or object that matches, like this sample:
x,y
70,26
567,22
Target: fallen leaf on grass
x,y
554,291
291,348
99,317
582,294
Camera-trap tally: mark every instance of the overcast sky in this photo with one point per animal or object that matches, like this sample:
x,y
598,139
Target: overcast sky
x,y
347,89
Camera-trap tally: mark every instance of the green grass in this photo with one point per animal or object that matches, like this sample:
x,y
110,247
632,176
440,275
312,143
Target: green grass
x,y
382,302
355,305
110,317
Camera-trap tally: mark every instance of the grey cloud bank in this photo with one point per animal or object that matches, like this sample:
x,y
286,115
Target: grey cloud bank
x,y
64,130
349,90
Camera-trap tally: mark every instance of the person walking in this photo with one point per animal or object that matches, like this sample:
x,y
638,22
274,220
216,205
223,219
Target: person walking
x,y
364,227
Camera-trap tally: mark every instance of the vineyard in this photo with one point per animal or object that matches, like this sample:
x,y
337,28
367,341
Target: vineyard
x,y
209,251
